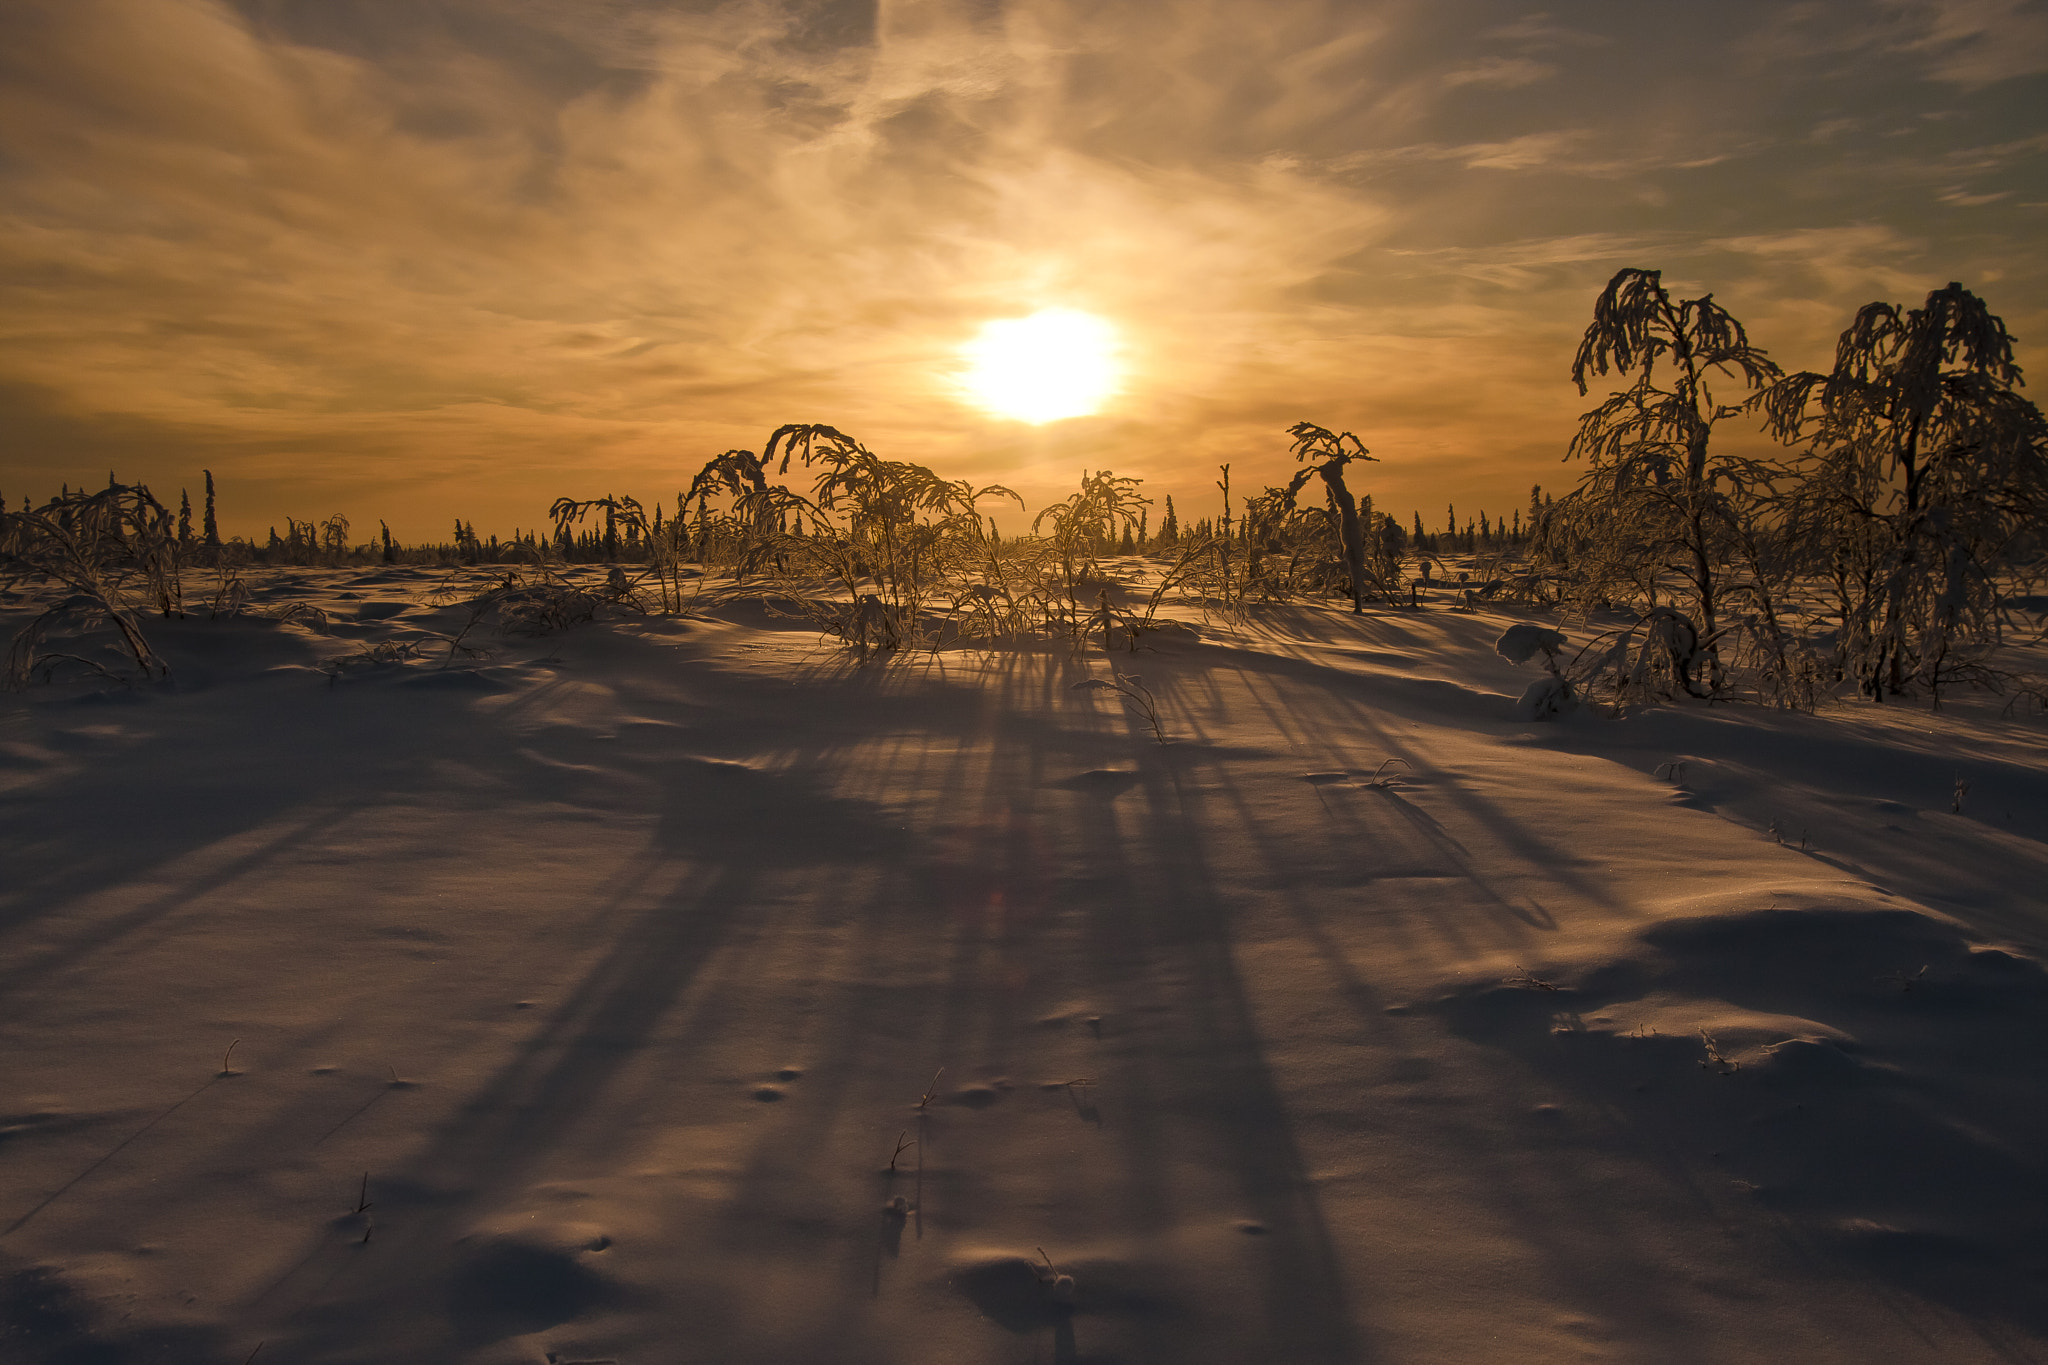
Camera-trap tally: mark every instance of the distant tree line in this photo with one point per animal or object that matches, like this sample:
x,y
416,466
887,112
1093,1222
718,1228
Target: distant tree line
x,y
614,540
1887,545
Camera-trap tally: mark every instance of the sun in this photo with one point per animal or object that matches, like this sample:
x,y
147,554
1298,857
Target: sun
x,y
1055,364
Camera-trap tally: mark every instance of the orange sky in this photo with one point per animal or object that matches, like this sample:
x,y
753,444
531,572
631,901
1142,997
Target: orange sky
x,y
421,259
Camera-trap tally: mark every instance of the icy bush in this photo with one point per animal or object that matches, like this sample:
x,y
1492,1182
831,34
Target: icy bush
x,y
1550,696
1520,643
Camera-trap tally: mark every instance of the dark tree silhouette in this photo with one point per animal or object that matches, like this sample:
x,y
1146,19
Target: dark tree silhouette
x,y
1324,454
1927,469
210,528
1657,491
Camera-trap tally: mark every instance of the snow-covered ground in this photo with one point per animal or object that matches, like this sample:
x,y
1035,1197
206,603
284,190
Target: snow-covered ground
x,y
622,962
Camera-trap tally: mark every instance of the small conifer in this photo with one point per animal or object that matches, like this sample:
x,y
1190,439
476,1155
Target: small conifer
x,y
210,528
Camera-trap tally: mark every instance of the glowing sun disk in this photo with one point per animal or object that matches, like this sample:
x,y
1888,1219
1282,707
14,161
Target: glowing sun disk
x,y
1056,363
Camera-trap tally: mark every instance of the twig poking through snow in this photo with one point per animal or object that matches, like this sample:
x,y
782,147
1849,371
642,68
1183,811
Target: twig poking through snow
x,y
1136,695
1060,1287
924,1104
1901,980
1715,1061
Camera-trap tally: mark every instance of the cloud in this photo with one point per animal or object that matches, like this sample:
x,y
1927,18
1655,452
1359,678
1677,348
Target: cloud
x,y
1988,157
484,251
1539,32
1962,198
1807,282
1528,152
1976,42
1506,73
1528,264
1578,152
1859,249
1967,43
275,237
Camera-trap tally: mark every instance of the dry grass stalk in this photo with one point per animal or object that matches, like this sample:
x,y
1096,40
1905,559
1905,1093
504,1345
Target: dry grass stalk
x,y
1714,1061
100,551
1385,783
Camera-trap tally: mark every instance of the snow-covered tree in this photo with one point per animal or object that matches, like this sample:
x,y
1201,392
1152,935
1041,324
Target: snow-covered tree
x,y
1323,454
1926,469
1661,509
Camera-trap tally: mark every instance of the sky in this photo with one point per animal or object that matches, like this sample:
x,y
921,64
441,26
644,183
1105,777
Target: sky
x,y
426,259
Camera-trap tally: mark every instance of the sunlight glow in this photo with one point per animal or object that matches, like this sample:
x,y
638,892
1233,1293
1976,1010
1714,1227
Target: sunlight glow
x,y
1057,363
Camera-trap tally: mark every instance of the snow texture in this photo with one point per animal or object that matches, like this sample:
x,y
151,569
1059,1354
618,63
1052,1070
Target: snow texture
x,y
621,961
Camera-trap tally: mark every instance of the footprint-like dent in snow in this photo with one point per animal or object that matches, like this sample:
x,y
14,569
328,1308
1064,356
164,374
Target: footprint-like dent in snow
x,y
975,1096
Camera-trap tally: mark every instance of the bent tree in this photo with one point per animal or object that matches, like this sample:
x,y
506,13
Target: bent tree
x,y
1658,504
1324,453
1927,471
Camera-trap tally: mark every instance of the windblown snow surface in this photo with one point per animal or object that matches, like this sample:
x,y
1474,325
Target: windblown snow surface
x,y
581,996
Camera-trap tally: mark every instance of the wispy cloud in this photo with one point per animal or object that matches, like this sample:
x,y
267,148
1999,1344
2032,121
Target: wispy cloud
x,y
1507,73
1976,42
1581,152
1966,43
1962,198
1539,32
1522,265
348,249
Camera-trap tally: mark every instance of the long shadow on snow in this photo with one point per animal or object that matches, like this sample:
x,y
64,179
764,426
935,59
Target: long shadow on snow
x,y
1024,886
1023,889
1330,718
45,1321
1607,1265
197,782
1613,1267
1330,710
1873,803
511,1124
1165,905
1903,1135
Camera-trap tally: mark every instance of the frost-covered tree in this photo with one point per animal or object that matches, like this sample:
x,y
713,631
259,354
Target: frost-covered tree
x,y
1661,509
1324,453
1926,469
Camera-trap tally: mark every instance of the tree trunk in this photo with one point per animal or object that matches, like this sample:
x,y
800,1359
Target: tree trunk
x,y
1352,532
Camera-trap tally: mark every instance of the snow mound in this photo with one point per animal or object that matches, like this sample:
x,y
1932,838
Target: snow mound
x,y
1548,698
1868,1074
515,1282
